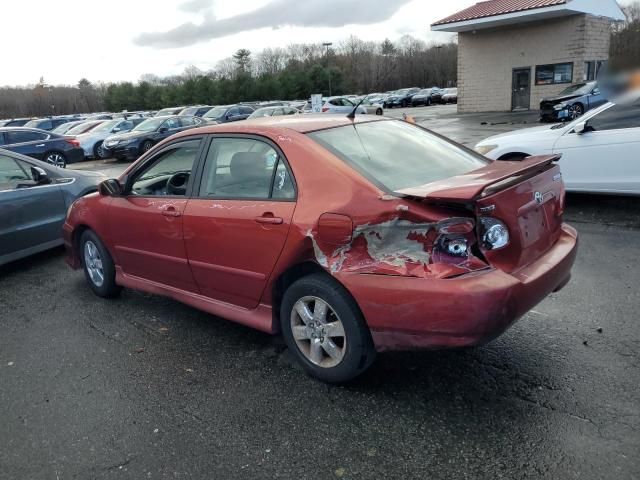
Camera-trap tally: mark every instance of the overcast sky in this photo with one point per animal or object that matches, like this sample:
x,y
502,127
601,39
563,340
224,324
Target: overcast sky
x,y
65,40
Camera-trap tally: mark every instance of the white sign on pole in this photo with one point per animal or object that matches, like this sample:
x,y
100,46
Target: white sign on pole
x,y
316,103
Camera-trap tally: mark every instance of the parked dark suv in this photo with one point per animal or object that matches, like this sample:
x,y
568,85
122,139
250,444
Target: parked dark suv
x,y
50,147
228,113
48,123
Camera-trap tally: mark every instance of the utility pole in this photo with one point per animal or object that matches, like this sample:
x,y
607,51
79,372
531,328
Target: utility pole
x,y
328,44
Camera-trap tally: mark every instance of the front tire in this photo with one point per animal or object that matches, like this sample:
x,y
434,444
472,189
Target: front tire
x,y
146,146
576,111
98,266
379,111
325,330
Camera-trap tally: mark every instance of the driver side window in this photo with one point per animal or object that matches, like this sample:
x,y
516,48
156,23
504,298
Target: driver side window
x,y
11,173
168,173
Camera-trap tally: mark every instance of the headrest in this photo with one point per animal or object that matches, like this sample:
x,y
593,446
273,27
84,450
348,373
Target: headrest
x,y
248,166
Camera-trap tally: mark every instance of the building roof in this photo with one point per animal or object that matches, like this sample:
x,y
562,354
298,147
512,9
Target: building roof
x,y
494,13
490,8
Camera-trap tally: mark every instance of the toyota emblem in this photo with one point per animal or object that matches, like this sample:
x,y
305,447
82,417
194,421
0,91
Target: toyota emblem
x,y
538,198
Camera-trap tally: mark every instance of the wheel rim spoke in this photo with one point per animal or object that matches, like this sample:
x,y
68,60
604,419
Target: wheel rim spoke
x,y
331,348
303,312
301,332
334,329
320,311
315,352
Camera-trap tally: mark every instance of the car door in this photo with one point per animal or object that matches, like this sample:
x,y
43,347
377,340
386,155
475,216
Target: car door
x,y
605,157
146,220
236,225
167,128
27,142
32,215
596,98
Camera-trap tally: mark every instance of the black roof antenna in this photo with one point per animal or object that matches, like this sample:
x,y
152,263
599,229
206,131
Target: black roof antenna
x,y
352,115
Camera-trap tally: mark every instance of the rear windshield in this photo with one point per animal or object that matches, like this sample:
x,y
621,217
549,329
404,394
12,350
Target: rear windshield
x,y
397,155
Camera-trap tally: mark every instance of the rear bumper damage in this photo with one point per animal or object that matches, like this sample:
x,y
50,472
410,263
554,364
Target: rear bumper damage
x,y
408,312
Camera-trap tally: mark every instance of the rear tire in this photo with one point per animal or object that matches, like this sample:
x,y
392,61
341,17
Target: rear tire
x,y
335,347
98,266
379,111
57,159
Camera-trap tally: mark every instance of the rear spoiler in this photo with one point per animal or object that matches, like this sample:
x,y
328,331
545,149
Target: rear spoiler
x,y
483,182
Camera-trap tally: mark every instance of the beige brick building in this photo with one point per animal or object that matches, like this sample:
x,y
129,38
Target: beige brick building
x,y
513,53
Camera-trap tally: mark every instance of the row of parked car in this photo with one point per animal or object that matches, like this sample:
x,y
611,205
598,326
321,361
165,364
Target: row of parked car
x,y
62,140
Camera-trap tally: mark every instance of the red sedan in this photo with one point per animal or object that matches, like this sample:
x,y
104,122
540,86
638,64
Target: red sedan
x,y
346,236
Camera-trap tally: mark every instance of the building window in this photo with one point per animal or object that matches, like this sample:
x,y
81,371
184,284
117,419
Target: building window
x,y
554,74
592,69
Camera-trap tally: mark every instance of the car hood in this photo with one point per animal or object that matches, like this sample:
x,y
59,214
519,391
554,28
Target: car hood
x,y
528,133
561,98
128,135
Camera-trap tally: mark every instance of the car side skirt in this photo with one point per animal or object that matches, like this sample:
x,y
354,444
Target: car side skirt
x,y
260,318
27,252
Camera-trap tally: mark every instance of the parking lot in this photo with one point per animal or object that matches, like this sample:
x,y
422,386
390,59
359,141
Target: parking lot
x,y
145,387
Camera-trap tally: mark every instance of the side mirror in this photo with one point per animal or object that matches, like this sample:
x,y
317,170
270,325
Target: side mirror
x,y
596,91
110,188
163,130
40,176
580,128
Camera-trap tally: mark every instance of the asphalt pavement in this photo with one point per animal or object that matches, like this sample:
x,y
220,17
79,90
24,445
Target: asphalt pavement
x,y
144,387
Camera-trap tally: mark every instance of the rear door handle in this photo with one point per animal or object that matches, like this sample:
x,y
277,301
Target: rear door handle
x,y
269,219
40,145
171,212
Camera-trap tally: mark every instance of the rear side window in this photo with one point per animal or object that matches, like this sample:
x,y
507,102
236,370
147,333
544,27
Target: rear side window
x,y
245,168
23,136
187,121
396,155
618,117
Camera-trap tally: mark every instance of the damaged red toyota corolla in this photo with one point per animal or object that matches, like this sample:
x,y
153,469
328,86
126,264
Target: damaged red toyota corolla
x,y
346,236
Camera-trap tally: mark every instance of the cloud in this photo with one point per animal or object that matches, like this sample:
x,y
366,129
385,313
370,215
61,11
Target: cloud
x,y
195,6
276,14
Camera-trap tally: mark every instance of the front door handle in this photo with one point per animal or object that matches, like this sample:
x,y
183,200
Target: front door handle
x,y
269,219
171,211
40,145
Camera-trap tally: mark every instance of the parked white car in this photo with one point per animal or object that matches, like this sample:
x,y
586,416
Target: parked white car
x,y
600,150
341,105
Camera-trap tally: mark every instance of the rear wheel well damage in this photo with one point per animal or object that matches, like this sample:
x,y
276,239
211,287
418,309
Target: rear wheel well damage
x,y
288,278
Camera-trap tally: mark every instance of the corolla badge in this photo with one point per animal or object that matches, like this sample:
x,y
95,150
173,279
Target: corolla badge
x,y
538,197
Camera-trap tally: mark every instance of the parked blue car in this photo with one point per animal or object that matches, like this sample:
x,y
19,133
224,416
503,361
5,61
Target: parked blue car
x,y
572,102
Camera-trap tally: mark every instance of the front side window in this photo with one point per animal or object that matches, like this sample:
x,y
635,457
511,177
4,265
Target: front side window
x,y
169,172
243,168
396,155
11,173
617,117
554,74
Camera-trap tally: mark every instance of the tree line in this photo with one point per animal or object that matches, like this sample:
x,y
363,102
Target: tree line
x,y
352,66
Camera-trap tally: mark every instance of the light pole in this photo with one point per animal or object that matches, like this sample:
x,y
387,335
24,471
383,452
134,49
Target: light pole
x,y
328,44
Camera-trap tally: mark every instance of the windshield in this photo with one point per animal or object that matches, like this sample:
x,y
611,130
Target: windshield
x,y
397,155
215,112
106,126
577,89
149,125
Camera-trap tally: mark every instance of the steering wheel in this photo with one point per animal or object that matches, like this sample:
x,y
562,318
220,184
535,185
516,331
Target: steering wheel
x,y
177,184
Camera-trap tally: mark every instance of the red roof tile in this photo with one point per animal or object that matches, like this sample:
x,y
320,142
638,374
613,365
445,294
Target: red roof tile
x,y
491,8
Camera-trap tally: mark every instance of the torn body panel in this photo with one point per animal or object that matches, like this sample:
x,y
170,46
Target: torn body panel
x,y
400,246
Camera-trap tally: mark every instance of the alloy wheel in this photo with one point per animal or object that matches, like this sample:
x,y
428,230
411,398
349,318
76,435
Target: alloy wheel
x,y
93,263
575,111
56,160
318,332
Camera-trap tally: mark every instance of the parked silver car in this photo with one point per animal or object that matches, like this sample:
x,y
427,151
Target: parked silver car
x,y
34,198
91,141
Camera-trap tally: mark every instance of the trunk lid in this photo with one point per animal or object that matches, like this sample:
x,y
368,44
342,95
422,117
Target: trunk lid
x,y
527,196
